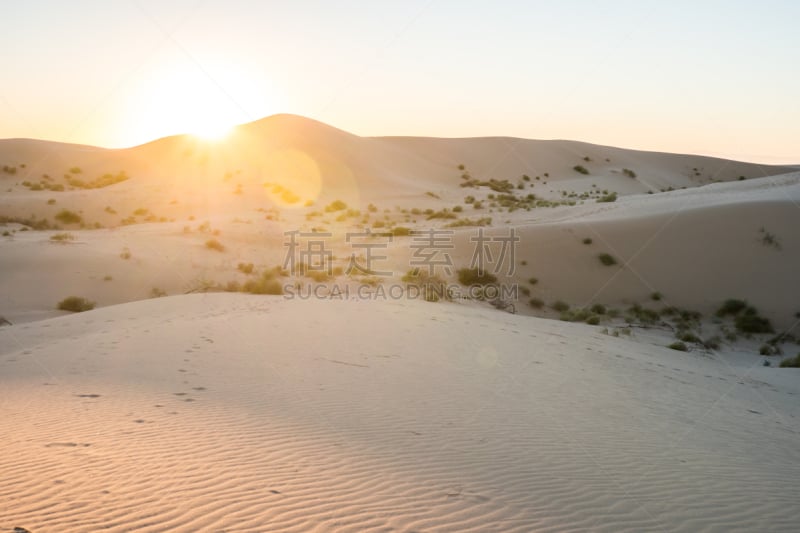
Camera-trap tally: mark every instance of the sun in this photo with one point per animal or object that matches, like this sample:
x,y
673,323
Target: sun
x,y
181,98
213,130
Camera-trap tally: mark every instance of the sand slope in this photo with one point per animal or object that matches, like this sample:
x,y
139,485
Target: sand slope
x,y
241,413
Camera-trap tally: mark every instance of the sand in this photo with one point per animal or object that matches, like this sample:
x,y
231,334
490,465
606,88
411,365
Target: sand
x,y
237,412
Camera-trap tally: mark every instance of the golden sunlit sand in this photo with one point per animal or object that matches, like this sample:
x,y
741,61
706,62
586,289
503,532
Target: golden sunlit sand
x,y
626,392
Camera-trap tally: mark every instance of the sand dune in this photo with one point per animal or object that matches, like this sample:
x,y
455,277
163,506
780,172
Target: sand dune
x,y
242,413
373,412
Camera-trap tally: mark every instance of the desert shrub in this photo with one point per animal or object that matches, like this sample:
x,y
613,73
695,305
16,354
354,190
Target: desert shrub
x,y
643,315
628,172
473,276
712,343
457,209
125,254
580,169
214,244
751,322
51,201
587,240
62,237
536,303
678,345
525,290
598,309
607,259
560,306
265,284
656,296
336,205
107,277
533,281
444,213
433,287
320,276
75,304
688,336
464,222
766,349
610,197
769,239
731,306
401,231
157,292
245,268
792,362
66,216
593,320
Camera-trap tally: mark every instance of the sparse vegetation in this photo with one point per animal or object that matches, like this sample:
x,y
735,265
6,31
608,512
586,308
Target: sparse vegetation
x,y
628,172
536,303
587,240
75,304
679,346
580,169
792,362
245,268
65,216
214,244
607,259
336,205
433,287
560,306
769,239
610,197
473,276
267,283
62,237
464,222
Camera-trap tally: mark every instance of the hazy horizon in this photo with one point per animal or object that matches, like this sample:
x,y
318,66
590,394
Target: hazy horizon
x,y
713,80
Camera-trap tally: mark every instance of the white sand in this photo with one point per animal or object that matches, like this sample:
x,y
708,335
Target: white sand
x,y
354,416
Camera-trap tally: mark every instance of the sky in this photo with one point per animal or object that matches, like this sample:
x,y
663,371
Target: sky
x,y
711,77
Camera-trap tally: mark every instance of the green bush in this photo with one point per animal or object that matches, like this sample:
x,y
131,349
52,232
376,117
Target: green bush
x,y
598,309
656,296
792,362
62,237
681,347
76,304
607,259
536,303
473,276
611,197
751,322
66,216
214,244
560,306
628,172
433,287
265,284
336,205
593,320
401,231
580,169
731,306
245,268
533,281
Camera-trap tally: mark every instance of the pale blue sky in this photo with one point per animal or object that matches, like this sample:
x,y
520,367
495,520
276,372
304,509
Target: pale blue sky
x,y
712,77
